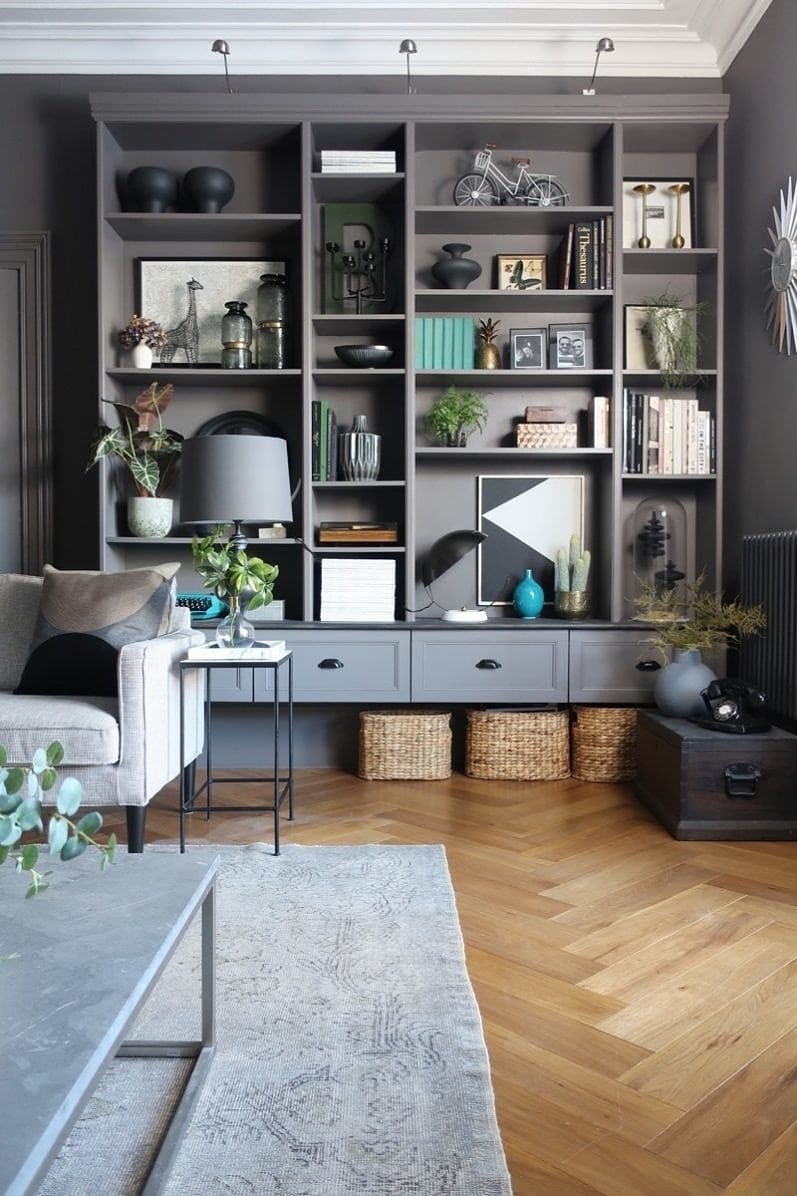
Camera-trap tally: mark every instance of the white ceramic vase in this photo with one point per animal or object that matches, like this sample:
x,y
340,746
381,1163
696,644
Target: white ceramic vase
x,y
149,517
141,356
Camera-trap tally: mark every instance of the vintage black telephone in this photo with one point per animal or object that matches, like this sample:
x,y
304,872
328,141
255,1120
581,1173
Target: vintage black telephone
x,y
733,706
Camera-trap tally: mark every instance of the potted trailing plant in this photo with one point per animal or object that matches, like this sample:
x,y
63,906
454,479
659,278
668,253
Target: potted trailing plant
x,y
150,453
571,579
683,630
140,336
455,415
21,789
244,582
672,328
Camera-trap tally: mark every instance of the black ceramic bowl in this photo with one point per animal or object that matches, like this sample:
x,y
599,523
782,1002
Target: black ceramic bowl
x,y
364,356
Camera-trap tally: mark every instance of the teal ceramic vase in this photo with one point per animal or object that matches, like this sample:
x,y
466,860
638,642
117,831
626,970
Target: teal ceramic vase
x,y
528,597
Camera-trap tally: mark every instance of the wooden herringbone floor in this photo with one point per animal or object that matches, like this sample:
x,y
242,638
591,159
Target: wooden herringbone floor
x,y
639,995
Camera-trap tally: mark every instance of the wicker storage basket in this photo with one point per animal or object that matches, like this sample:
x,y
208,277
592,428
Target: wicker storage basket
x,y
399,745
520,745
603,743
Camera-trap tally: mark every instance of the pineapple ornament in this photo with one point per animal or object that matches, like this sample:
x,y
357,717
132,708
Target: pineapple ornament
x,y
488,355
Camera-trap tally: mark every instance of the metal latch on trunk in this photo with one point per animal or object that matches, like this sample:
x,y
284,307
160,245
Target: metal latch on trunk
x,y
741,779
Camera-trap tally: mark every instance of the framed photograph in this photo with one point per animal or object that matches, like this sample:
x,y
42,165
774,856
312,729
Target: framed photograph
x,y
188,296
669,205
521,272
638,353
570,346
527,519
528,348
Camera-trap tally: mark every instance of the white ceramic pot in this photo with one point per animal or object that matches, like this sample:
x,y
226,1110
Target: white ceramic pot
x,y
141,356
149,517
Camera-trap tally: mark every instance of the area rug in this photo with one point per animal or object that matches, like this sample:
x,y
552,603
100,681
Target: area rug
x,y
350,1052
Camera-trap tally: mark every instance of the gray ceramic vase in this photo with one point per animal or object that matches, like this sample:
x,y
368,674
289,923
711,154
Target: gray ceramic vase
x,y
359,452
456,271
678,685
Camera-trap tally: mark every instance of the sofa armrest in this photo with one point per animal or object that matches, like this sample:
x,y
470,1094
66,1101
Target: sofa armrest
x,y
149,710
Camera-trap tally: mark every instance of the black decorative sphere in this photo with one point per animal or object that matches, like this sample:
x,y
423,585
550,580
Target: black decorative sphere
x,y
208,188
150,189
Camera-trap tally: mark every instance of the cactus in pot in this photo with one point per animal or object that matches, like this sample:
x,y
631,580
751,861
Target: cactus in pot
x,y
571,600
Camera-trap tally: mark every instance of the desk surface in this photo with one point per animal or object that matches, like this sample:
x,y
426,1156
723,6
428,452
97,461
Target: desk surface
x,y
86,953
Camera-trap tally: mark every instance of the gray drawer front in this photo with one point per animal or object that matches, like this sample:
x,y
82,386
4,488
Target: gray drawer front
x,y
603,667
533,666
374,667
231,685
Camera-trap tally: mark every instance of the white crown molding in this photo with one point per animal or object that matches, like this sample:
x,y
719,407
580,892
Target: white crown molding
x,y
664,38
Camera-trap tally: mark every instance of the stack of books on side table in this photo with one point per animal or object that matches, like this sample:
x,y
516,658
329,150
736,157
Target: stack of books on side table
x,y
256,650
358,591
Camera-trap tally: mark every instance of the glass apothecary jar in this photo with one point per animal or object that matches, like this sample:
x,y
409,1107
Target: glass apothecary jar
x,y
659,579
271,341
236,337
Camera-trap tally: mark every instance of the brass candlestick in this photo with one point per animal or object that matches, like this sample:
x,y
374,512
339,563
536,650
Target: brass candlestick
x,y
678,189
644,189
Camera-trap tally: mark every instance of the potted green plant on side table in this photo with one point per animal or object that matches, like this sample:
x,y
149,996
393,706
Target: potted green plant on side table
x,y
244,582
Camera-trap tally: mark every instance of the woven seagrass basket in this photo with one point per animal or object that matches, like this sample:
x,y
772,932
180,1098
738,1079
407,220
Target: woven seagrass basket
x,y
603,743
405,745
520,745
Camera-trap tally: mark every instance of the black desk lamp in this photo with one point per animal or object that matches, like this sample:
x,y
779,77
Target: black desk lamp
x,y
443,554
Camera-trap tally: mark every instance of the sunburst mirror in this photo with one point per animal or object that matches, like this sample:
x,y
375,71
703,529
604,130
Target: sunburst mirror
x,y
781,306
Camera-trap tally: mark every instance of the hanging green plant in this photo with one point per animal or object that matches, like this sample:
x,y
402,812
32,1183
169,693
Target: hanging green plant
x,y
673,329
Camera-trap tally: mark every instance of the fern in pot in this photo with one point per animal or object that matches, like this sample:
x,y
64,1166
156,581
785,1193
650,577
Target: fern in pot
x,y
456,415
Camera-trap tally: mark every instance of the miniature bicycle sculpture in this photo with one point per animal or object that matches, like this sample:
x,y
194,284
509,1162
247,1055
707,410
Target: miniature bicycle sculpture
x,y
487,184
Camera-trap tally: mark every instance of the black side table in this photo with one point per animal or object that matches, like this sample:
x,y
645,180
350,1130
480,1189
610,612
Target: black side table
x,y
281,784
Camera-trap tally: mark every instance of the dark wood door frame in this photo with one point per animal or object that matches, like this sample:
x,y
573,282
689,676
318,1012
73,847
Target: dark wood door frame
x,y
28,255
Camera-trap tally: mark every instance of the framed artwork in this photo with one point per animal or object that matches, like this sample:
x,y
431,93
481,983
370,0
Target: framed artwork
x,y
638,353
570,346
521,272
528,348
666,209
189,296
526,520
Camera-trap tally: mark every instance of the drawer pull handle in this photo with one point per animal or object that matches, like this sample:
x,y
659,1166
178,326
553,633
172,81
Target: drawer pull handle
x,y
330,663
488,664
648,666
741,779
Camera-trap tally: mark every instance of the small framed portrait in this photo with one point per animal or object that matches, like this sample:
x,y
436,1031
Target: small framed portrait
x,y
638,344
521,272
658,213
528,348
570,346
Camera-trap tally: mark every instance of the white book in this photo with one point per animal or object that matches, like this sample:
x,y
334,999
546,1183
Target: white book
x,y
654,434
257,650
703,419
691,435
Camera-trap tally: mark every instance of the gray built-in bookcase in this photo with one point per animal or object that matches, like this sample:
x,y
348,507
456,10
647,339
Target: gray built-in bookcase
x,y
271,145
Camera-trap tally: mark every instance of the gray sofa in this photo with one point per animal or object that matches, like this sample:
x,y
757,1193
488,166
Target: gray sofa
x,y
122,750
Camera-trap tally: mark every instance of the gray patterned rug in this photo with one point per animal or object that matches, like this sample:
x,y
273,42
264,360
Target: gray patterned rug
x,y
350,1051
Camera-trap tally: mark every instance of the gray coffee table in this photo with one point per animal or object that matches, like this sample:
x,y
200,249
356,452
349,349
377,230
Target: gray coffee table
x,y
88,952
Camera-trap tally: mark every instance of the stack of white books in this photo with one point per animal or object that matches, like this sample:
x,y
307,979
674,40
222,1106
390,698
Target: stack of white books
x,y
359,591
358,161
255,650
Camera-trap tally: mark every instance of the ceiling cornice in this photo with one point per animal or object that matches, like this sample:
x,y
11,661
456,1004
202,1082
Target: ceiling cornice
x,y
664,38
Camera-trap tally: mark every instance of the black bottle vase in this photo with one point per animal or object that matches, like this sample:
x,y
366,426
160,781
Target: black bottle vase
x,y
456,272
208,188
150,189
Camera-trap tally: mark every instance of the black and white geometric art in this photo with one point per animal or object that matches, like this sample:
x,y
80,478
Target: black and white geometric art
x,y
526,520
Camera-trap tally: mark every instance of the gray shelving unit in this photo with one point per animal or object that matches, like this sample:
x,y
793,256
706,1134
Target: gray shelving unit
x,y
271,144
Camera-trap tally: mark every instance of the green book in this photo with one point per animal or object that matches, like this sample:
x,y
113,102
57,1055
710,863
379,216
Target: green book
x,y
448,343
323,455
437,343
459,344
469,356
419,333
428,328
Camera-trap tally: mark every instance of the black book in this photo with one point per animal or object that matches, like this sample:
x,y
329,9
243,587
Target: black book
x,y
583,256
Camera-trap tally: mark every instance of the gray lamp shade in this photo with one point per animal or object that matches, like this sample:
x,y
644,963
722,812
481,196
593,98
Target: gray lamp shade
x,y
228,478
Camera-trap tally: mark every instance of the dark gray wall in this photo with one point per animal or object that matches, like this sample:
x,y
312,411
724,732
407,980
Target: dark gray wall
x,y
761,384
47,151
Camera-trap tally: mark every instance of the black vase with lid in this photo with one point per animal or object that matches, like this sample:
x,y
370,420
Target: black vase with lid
x,y
456,271
150,189
208,188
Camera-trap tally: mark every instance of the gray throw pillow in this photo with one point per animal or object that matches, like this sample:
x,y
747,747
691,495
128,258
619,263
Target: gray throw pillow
x,y
85,618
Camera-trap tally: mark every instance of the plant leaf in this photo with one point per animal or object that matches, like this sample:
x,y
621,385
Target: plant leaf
x,y
28,815
69,796
10,833
89,824
48,779
57,835
55,753
73,848
30,857
15,780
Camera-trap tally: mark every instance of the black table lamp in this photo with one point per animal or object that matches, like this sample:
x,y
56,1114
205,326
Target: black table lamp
x,y
235,479
443,554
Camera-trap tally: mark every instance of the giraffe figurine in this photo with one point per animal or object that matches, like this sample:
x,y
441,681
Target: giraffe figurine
x,y
184,335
